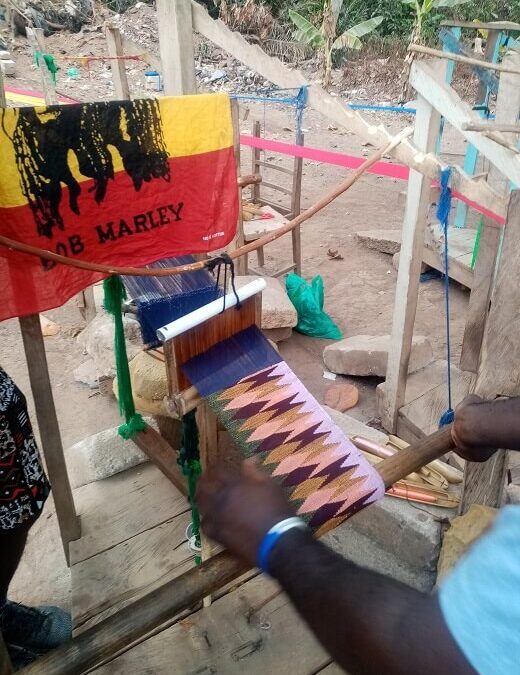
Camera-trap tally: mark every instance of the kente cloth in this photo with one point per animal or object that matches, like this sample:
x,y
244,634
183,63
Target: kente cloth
x,y
121,183
23,484
161,300
273,418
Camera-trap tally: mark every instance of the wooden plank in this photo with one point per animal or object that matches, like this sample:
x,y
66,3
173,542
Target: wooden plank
x,y
253,630
275,71
52,446
151,611
115,48
113,579
296,208
508,106
176,47
503,26
427,123
423,413
162,455
120,507
499,368
446,101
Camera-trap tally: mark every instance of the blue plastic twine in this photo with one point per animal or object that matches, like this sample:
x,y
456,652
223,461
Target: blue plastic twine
x,y
443,214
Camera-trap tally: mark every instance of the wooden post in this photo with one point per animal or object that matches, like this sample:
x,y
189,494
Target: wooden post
x,y
6,667
238,241
3,102
50,436
427,123
209,454
499,368
296,207
115,48
508,106
37,42
176,47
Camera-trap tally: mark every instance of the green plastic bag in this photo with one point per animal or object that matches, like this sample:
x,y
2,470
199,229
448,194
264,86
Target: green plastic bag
x,y
308,300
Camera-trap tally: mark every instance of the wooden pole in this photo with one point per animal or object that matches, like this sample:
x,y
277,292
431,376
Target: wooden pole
x,y
136,620
491,125
500,68
52,447
176,47
427,124
115,48
238,241
3,102
507,109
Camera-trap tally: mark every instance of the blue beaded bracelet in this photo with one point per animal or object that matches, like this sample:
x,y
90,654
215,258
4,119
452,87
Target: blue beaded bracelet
x,y
272,536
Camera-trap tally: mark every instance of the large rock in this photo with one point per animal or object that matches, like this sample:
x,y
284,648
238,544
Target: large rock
x,y
100,456
149,383
386,241
97,341
365,355
277,310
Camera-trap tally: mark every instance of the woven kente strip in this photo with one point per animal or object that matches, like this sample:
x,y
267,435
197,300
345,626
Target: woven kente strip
x,y
273,418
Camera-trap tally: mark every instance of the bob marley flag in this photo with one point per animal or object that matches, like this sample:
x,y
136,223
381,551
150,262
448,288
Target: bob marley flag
x,y
121,183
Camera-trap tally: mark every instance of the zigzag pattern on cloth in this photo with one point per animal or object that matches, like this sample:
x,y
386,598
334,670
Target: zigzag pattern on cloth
x,y
273,418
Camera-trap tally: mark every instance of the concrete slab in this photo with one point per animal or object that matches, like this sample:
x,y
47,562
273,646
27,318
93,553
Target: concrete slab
x,y
367,355
386,241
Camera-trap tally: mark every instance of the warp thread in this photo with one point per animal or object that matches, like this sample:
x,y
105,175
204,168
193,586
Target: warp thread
x,y
443,214
189,461
114,294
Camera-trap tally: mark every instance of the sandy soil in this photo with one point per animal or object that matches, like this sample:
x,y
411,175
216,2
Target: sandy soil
x,y
359,296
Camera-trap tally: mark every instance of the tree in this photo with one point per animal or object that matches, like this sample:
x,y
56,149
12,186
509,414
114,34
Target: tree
x,y
325,39
421,11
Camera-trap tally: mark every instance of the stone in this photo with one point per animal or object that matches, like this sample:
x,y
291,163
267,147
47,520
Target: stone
x,y
97,340
411,534
367,355
395,263
385,241
277,334
4,55
365,552
341,396
8,67
353,427
102,455
464,530
277,310
86,373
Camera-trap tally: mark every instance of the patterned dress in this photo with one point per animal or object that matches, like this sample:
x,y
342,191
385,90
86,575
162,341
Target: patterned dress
x,y
23,484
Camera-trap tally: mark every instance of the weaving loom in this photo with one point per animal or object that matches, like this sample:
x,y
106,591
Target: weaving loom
x,y
267,411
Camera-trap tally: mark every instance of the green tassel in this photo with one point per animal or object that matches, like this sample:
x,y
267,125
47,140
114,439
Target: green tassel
x,y
114,295
477,242
49,61
189,461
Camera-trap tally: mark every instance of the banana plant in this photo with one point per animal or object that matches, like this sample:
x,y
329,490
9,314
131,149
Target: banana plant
x,y
325,40
421,10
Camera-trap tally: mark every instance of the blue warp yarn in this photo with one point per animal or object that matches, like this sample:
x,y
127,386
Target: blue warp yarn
x,y
443,214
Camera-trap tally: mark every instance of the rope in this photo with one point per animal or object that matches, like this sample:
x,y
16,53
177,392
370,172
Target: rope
x,y
114,295
443,214
189,461
227,261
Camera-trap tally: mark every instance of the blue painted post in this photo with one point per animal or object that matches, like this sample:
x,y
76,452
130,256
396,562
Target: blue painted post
x,y
449,77
471,159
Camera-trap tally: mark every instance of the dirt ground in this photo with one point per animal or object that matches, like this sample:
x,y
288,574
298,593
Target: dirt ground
x,y
359,295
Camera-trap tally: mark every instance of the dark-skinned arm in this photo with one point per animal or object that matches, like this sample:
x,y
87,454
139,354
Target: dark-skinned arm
x,y
367,622
480,427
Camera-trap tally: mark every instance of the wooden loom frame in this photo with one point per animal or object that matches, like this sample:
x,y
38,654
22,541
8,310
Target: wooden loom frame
x,y
482,368
176,21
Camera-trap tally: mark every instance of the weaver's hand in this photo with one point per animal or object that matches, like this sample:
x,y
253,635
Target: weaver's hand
x,y
472,427
238,507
